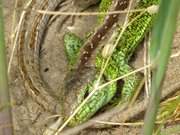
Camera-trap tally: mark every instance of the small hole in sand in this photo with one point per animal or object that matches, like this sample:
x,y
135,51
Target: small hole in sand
x,y
46,69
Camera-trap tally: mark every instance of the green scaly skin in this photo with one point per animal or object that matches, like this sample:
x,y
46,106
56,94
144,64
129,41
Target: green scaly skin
x,y
118,65
103,7
72,47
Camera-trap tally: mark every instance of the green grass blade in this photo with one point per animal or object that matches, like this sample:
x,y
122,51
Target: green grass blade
x,y
5,110
162,37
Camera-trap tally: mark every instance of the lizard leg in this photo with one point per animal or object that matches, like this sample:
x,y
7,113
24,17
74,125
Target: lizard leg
x,y
72,45
99,99
131,83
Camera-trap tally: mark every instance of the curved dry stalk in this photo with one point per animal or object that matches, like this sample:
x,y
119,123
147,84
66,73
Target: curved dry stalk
x,y
57,13
15,33
147,72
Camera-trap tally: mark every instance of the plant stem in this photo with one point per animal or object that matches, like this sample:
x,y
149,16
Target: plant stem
x,y
5,110
162,37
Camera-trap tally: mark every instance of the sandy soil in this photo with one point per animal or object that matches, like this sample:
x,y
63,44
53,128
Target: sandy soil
x,y
27,115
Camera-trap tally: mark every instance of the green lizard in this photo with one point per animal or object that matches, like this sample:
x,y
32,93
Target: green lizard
x,y
118,64
103,7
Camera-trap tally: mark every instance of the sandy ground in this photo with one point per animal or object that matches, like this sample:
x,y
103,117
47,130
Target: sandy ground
x,y
27,115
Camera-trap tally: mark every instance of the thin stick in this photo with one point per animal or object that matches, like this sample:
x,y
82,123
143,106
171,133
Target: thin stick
x,y
146,70
87,13
16,33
